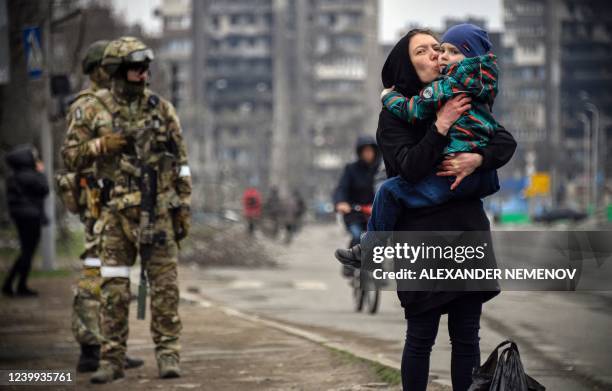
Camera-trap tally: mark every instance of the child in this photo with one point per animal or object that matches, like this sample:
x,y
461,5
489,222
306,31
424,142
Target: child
x,y
468,68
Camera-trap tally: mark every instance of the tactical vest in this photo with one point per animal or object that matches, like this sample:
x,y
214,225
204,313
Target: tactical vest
x,y
143,124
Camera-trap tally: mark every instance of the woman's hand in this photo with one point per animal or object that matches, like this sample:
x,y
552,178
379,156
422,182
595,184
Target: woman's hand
x,y
459,165
451,111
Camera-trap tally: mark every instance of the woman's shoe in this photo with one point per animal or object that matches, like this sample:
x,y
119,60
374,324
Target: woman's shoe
x,y
7,290
26,292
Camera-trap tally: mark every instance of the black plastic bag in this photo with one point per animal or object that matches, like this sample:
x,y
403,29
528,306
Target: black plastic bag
x,y
503,372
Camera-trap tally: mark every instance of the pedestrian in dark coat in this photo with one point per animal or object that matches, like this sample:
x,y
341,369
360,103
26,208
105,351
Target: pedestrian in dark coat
x,y
412,151
356,186
26,189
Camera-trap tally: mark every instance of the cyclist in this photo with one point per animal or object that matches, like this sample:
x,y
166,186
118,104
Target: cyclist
x,y
356,189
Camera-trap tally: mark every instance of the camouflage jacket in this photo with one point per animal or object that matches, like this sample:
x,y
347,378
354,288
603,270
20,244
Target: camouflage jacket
x,y
151,126
79,197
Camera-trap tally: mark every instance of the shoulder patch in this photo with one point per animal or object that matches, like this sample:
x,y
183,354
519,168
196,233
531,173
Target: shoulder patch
x,y
78,114
427,92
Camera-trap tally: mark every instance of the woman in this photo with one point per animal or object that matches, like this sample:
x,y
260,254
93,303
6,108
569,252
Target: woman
x,y
412,151
26,190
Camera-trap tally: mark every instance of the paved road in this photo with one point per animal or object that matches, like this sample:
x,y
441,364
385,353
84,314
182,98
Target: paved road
x,y
564,337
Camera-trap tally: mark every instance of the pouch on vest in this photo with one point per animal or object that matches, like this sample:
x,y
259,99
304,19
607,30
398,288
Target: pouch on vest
x,y
69,191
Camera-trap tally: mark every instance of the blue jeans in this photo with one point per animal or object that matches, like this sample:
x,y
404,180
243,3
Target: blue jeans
x,y
463,327
356,229
396,194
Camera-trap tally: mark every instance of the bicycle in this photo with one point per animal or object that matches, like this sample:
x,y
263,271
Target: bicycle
x,y
366,294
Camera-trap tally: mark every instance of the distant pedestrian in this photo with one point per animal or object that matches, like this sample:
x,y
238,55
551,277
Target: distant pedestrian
x,y
272,210
251,202
27,188
294,208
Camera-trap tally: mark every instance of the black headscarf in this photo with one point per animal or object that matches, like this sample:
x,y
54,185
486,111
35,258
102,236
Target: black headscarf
x,y
398,70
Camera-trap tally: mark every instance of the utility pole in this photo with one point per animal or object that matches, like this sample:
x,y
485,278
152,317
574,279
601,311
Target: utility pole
x,y
280,120
202,121
596,131
46,140
586,142
553,92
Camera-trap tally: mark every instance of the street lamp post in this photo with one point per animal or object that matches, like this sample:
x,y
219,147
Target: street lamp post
x,y
595,129
587,157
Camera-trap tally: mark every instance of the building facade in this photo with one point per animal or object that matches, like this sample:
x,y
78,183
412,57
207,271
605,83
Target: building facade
x,y
557,91
284,87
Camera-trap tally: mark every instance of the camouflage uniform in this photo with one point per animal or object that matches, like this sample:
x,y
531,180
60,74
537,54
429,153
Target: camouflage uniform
x,y
151,123
86,304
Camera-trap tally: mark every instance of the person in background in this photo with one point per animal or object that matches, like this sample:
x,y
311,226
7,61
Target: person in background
x,y
356,188
294,208
26,188
272,209
251,203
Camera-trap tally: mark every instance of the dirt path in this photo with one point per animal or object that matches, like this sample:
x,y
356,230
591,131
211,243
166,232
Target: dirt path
x,y
220,352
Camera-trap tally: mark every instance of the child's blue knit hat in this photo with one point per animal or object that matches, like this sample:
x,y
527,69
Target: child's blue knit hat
x,y
471,40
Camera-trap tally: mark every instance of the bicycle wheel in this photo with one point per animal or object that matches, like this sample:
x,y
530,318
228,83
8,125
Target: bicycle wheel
x,y
358,293
373,299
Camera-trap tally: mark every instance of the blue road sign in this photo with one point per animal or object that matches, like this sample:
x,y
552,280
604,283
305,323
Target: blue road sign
x,y
33,52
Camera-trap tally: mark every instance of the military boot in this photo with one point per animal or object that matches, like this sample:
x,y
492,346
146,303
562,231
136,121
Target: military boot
x,y
106,373
89,358
133,362
168,367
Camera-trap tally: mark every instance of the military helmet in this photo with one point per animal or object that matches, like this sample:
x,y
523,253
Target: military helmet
x,y
93,56
125,50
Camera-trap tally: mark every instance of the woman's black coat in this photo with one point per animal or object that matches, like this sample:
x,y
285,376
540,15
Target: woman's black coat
x,y
26,188
413,151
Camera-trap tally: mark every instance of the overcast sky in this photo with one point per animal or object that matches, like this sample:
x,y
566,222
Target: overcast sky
x,y
394,14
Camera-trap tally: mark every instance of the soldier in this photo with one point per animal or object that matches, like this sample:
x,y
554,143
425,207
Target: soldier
x,y
86,304
127,132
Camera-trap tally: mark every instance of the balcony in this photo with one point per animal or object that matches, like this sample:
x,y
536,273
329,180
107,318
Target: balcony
x,y
240,52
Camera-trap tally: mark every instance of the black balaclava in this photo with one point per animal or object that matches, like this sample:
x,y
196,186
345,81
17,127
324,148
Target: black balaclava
x,y
128,90
398,70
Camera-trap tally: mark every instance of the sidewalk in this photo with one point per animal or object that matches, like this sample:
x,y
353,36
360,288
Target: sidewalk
x,y
221,351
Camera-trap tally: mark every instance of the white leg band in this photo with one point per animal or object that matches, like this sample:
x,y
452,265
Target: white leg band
x,y
115,271
92,262
185,171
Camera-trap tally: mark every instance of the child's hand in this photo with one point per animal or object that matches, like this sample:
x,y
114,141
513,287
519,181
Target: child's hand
x,y
386,91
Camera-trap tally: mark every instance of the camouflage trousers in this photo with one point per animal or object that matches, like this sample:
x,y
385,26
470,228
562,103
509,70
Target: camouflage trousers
x,y
86,307
118,251
86,303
